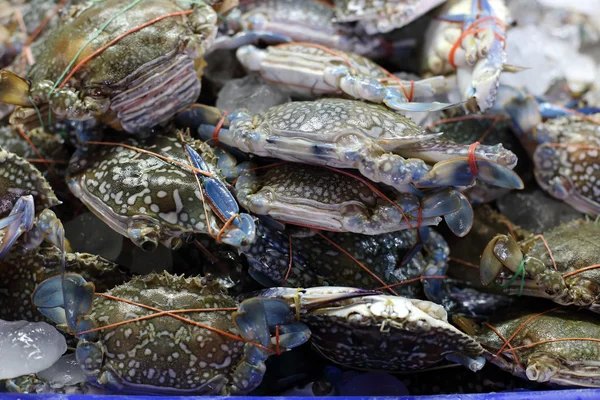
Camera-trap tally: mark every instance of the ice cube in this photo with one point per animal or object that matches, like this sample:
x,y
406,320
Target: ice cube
x,y
28,347
65,372
250,92
88,234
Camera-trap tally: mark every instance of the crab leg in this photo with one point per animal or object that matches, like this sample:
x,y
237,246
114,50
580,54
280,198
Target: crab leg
x,y
223,203
255,319
19,220
327,76
65,300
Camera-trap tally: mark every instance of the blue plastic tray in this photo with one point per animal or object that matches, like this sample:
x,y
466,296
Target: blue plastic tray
x,y
570,394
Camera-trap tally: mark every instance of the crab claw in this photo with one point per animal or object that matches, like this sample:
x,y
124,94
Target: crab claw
x,y
222,203
501,251
474,364
255,319
460,172
13,89
199,114
438,204
65,300
19,220
460,221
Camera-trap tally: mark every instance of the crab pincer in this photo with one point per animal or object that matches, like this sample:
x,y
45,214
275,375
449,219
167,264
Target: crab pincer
x,y
222,201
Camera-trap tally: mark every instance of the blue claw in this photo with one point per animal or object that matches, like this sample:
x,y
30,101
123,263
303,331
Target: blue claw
x,y
64,301
222,202
79,296
498,175
256,316
49,294
460,221
200,114
439,204
457,172
293,335
482,7
18,221
437,265
197,160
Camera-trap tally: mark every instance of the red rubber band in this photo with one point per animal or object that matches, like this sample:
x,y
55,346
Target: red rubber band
x,y
218,128
472,159
420,217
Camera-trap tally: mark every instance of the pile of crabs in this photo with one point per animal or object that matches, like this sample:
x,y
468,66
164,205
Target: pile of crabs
x,y
346,227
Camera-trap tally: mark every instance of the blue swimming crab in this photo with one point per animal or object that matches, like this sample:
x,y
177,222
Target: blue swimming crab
x,y
154,191
564,147
309,71
25,201
468,38
347,259
566,271
286,21
320,198
552,346
381,16
210,351
87,69
364,329
371,138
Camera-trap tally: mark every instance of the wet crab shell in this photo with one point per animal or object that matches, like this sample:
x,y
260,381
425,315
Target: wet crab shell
x,y
127,188
567,160
562,362
136,82
574,246
19,178
163,354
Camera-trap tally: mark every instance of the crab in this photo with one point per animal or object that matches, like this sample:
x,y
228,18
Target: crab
x,y
468,38
286,21
566,271
567,161
352,134
552,346
335,259
44,148
307,195
92,67
364,329
193,353
308,70
151,191
489,130
382,16
21,273
25,202
563,144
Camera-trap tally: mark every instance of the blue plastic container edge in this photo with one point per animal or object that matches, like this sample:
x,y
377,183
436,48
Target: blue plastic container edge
x,y
569,394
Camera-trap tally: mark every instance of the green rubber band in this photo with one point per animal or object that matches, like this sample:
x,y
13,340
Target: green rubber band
x,y
98,32
520,271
